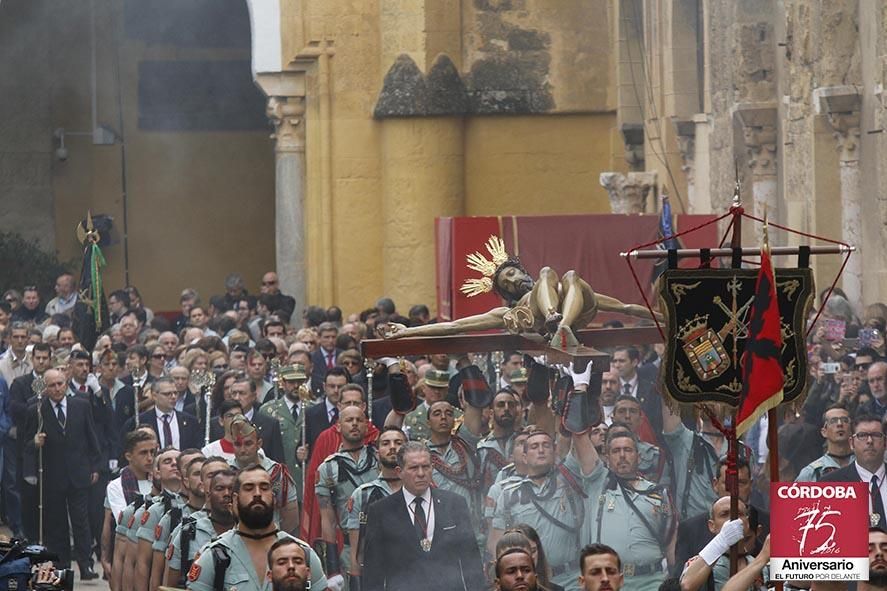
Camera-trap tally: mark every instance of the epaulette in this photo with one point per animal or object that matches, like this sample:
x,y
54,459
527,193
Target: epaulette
x,y
510,486
330,457
508,466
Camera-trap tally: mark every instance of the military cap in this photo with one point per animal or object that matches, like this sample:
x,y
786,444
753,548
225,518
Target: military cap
x,y
241,427
436,378
295,371
519,376
475,387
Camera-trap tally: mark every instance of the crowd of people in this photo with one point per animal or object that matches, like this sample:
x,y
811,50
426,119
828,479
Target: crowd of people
x,y
231,445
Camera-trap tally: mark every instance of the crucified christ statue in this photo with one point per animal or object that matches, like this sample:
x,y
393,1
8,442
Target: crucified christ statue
x,y
553,306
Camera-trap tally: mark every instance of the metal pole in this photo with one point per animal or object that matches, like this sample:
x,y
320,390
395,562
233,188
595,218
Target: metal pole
x,y
684,253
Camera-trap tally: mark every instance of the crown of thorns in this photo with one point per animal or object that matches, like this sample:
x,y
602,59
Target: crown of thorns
x,y
486,267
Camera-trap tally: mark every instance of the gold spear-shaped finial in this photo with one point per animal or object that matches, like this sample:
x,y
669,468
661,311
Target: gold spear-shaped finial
x,y
87,232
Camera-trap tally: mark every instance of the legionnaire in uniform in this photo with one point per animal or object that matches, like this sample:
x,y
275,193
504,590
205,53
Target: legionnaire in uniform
x,y
247,444
237,559
125,521
337,478
631,514
434,388
710,569
695,466
190,465
288,412
496,447
453,459
651,459
513,472
201,527
836,430
550,500
390,441
168,499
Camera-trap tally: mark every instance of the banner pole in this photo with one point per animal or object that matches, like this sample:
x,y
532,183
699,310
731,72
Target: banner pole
x,y
732,472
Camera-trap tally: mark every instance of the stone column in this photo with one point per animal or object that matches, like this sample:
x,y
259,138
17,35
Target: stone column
x,y
628,193
686,135
287,114
841,104
758,123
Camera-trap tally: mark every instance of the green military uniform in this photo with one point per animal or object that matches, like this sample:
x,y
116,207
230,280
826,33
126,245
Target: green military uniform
x,y
493,455
160,506
695,466
555,510
126,519
281,483
635,520
650,462
165,527
201,530
720,572
135,521
416,422
363,496
241,574
494,493
815,470
506,472
291,431
290,428
337,479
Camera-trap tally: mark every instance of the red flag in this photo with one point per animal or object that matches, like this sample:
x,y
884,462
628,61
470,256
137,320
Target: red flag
x,y
762,377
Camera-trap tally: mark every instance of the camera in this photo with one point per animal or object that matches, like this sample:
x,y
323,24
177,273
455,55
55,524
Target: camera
x,y
19,568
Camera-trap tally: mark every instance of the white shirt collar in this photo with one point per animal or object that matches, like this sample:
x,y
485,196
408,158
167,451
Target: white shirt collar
x,y
329,406
289,403
249,414
160,415
866,476
410,497
63,403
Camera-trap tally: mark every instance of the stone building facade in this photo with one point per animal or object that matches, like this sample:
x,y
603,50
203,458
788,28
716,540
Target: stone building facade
x,y
789,93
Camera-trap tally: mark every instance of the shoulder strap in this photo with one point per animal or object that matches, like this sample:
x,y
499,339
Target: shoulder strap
x,y
222,561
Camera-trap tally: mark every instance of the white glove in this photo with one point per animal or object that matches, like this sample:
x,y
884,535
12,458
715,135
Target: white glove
x,y
335,583
580,379
731,532
93,383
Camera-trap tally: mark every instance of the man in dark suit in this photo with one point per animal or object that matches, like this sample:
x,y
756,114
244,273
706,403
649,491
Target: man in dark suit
x,y
174,429
21,398
71,463
419,539
324,357
320,417
244,391
625,361
868,445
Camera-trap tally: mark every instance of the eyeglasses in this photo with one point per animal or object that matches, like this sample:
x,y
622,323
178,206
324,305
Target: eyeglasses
x,y
873,436
158,356
350,362
838,421
221,367
863,366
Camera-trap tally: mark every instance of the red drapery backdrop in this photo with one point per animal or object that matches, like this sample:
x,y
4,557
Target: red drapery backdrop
x,y
589,244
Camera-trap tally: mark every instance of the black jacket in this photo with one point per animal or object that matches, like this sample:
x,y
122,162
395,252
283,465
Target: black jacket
x,y
190,435
70,455
394,561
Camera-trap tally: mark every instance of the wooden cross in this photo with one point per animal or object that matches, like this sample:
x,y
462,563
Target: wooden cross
x,y
527,343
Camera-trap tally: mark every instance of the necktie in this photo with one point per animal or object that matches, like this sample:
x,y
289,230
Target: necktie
x,y
295,411
420,521
60,414
626,389
334,415
83,388
329,361
877,502
167,432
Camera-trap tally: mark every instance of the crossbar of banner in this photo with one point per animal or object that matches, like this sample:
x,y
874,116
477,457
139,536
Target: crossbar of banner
x,y
686,253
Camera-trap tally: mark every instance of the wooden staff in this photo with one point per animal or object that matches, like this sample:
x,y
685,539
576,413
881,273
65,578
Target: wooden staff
x,y
38,386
